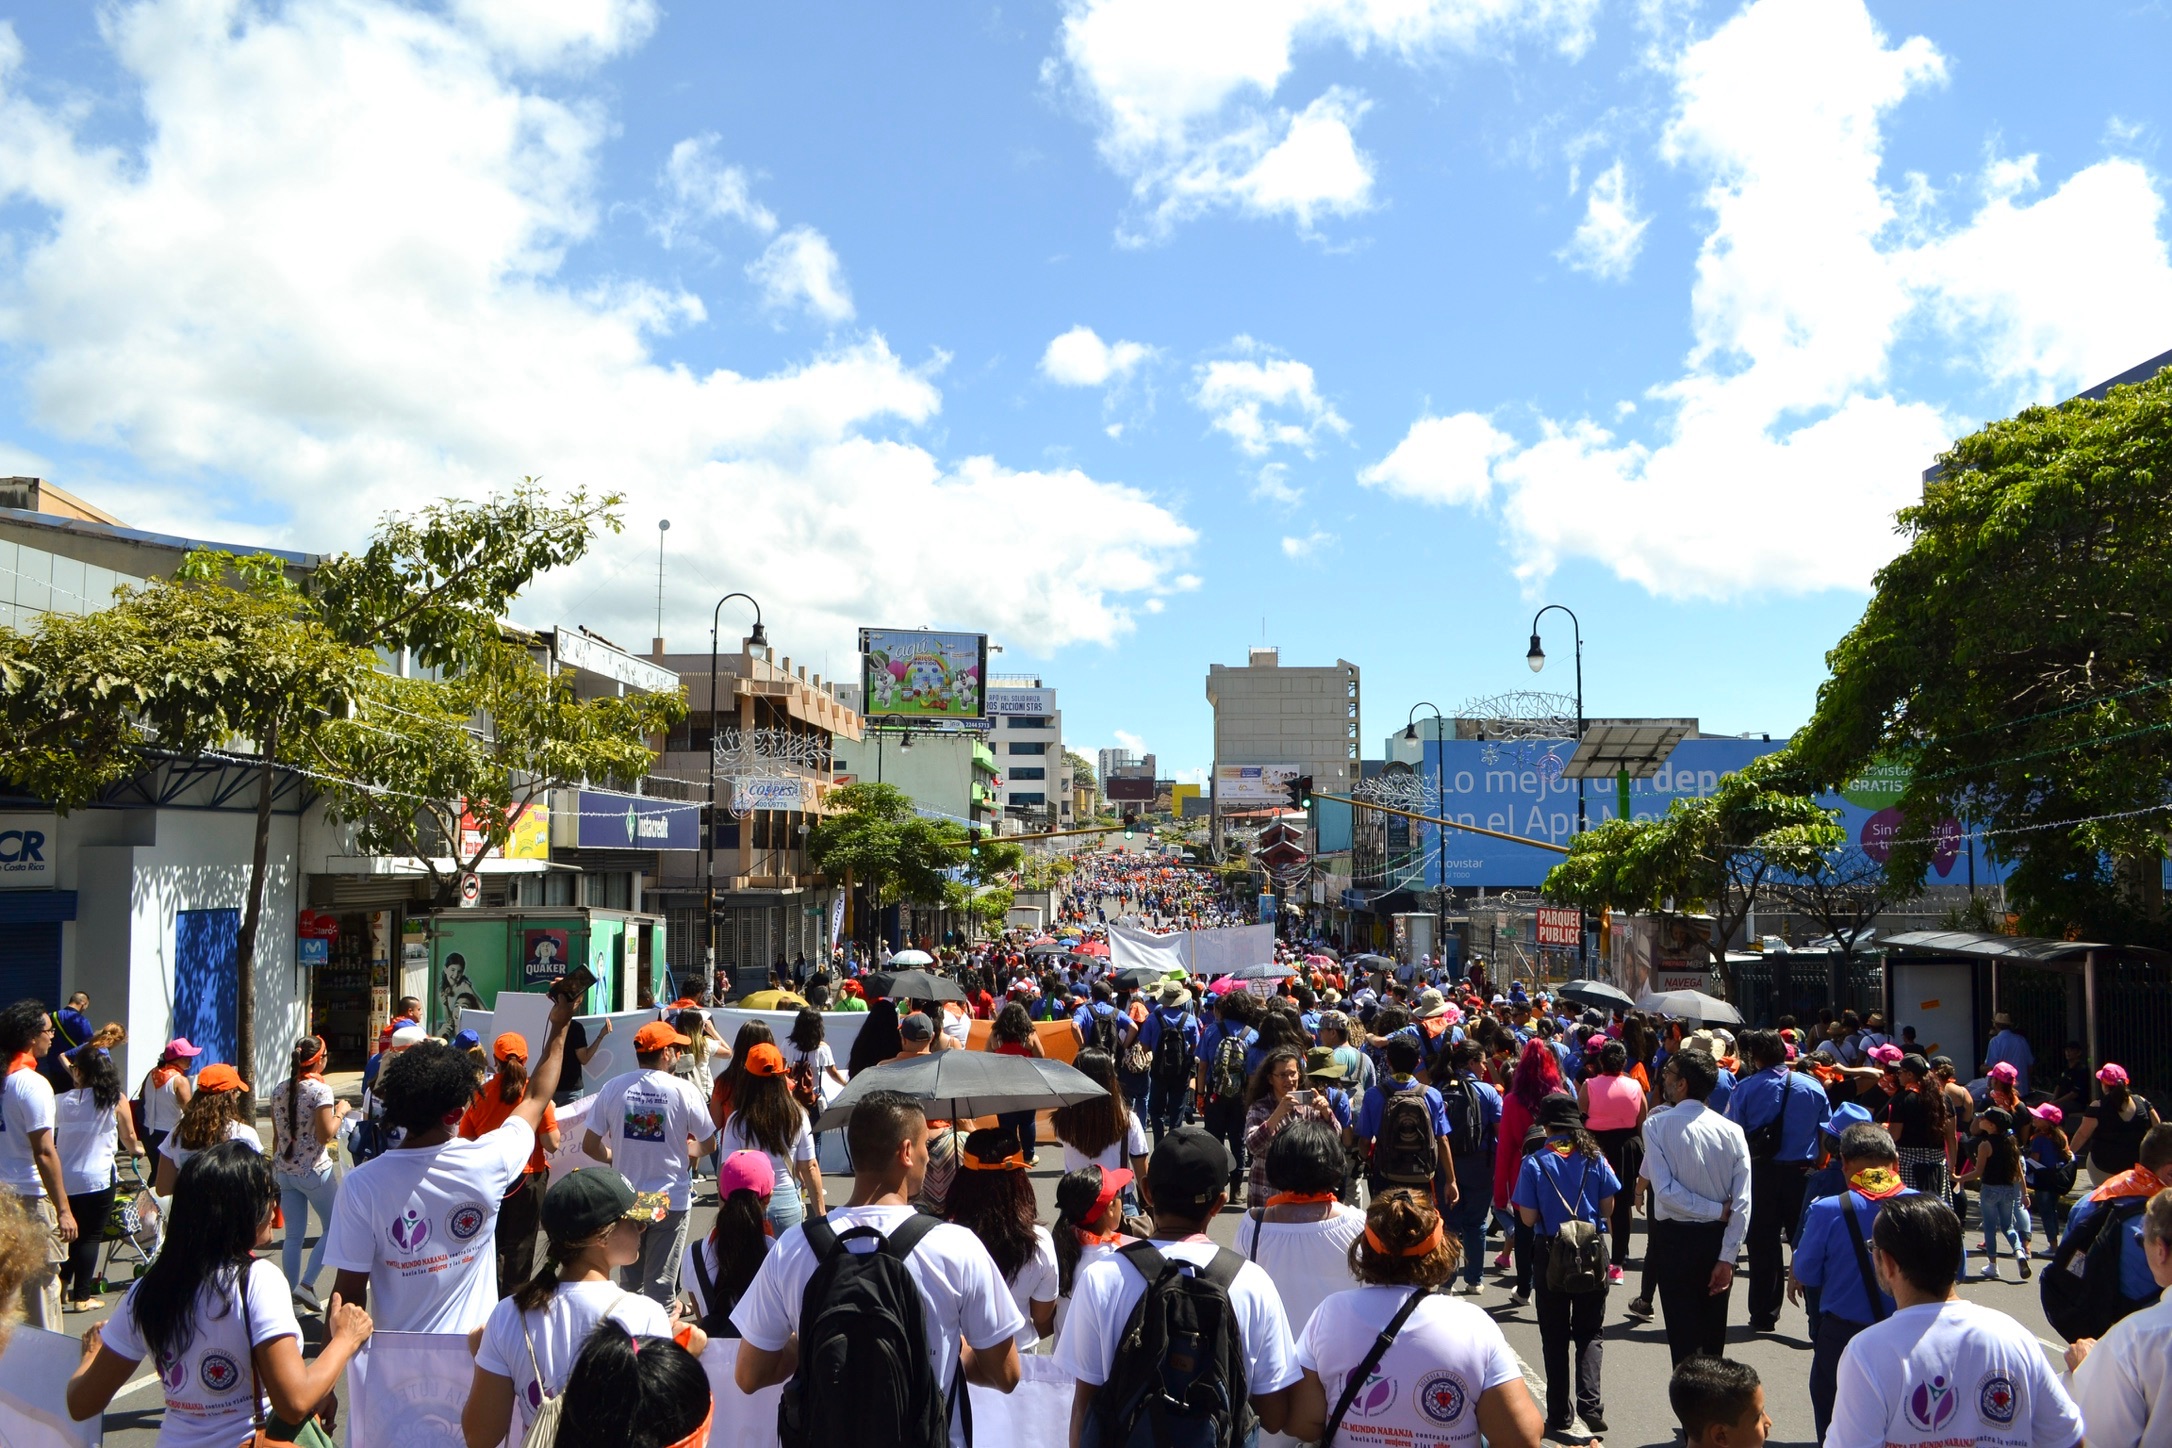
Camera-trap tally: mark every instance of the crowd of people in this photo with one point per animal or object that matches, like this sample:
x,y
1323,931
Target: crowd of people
x,y
1383,1135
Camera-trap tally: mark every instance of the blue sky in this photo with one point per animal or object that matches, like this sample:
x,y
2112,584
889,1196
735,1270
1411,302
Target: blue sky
x,y
1135,332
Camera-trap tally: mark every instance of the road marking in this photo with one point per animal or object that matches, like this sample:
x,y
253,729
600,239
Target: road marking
x,y
137,1386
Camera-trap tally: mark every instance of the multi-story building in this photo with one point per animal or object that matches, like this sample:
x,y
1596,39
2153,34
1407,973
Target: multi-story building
x,y
1106,760
1026,733
1273,724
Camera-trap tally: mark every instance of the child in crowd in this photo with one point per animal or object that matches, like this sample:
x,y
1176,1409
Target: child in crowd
x,y
1720,1403
1994,1170
2048,1164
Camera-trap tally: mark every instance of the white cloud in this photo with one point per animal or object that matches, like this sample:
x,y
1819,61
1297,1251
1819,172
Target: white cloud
x,y
537,34
704,189
327,284
1304,548
1185,92
1079,358
1126,740
1240,393
1781,452
1274,486
1610,235
800,269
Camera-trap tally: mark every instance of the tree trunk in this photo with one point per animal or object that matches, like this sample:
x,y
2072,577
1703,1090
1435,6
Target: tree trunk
x,y
252,916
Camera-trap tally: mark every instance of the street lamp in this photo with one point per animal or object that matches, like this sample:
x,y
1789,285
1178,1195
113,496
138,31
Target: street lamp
x,y
757,639
1440,774
1536,658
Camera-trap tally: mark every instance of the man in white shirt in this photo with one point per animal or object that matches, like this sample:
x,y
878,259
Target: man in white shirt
x,y
1698,1165
648,1117
1940,1370
29,1157
418,1225
1187,1183
972,1322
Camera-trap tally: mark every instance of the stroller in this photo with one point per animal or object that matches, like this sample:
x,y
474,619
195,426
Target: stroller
x,y
135,1228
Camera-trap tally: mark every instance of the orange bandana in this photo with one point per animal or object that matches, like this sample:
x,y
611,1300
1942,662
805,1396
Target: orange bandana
x,y
1416,1249
2137,1181
21,1061
1300,1199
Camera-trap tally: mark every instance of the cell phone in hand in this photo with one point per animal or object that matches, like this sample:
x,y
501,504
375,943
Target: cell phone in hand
x,y
573,984
1304,1096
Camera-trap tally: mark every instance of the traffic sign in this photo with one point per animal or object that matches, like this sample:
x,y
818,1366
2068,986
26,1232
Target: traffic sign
x,y
471,891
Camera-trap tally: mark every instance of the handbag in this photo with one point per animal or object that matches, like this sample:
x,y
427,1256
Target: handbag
x,y
269,1428
1765,1140
1576,1264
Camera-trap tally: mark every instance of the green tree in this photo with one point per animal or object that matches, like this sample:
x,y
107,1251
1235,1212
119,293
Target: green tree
x,y
873,836
2017,659
1715,854
1082,770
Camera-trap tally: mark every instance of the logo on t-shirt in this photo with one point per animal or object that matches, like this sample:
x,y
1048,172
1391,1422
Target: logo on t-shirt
x,y
1995,1399
1375,1398
174,1373
410,1230
466,1220
1931,1406
1442,1396
219,1372
644,1123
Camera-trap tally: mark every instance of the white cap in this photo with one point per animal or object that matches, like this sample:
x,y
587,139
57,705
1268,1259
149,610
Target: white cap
x,y
407,1036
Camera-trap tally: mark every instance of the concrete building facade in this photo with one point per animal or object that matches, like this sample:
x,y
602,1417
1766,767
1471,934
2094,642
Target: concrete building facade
x,y
1026,734
1271,720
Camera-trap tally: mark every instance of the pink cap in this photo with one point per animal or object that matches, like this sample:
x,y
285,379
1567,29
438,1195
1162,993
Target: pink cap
x,y
2111,1073
1885,1055
179,1046
2005,1071
746,1171
2047,1113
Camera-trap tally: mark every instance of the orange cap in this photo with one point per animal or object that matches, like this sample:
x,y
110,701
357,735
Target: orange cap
x,y
765,1060
655,1036
220,1077
512,1046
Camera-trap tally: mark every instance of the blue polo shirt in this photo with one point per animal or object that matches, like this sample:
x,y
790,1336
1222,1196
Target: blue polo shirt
x,y
1825,1255
1563,1188
1796,1101
1170,1018
1082,1019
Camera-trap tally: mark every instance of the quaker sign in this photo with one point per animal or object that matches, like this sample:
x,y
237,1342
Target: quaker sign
x,y
636,822
29,851
1560,927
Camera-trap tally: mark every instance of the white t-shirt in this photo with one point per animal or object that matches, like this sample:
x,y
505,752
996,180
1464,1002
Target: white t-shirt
x,y
207,1387
162,1104
1309,1261
1949,1373
88,1139
690,1280
962,1296
301,1153
1035,1282
821,1059
958,1025
1115,1154
1448,1355
423,1223
2121,1388
1103,1295
26,1105
172,1149
647,1116
1088,1254
558,1329
803,1148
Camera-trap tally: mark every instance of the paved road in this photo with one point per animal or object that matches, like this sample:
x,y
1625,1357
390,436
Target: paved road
x,y
1636,1352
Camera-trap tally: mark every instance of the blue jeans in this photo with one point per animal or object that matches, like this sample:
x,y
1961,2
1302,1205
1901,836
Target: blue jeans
x,y
786,1209
1467,1219
2000,1208
1022,1123
297,1194
2050,1209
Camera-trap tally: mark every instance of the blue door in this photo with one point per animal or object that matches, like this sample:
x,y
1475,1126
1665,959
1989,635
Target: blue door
x,y
206,968
30,961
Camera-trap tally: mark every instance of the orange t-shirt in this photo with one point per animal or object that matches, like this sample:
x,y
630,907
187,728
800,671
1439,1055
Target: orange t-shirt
x,y
486,1113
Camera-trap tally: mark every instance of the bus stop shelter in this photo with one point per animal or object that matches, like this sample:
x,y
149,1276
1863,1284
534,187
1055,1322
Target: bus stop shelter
x,y
2113,999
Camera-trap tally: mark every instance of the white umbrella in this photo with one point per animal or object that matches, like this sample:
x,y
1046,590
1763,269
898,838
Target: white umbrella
x,y
912,957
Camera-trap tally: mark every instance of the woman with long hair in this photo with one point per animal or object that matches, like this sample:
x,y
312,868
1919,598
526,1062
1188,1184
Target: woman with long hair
x,y
1614,1108
1276,1097
89,1127
592,1225
878,1040
1922,1127
991,1198
1101,1130
216,1321
216,1112
1567,1180
719,1268
505,1088
1089,1224
1536,1076
628,1394
1012,1034
809,1060
765,1118
2110,1136
305,1123
166,1089
1405,1252
750,1034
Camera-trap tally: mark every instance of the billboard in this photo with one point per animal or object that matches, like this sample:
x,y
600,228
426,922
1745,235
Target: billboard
x,y
607,821
1519,789
1251,786
916,674
530,837
1041,702
1132,784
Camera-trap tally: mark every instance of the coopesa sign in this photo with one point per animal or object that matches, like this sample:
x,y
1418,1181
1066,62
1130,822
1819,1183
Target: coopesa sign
x,y
29,851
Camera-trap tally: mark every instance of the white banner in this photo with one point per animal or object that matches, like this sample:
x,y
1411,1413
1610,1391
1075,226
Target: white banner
x,y
742,1420
1035,1414
1199,952
406,1390
1129,948
34,1392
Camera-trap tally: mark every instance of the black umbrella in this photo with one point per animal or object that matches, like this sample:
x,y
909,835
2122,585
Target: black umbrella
x,y
1596,993
1266,970
968,1084
1371,962
1141,975
1692,1005
1049,949
914,985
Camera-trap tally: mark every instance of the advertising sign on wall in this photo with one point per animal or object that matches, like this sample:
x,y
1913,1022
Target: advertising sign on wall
x,y
543,955
1249,786
916,674
29,851
1022,701
530,838
634,822
1559,927
753,794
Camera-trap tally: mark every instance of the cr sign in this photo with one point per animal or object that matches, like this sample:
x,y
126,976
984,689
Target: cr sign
x,y
29,851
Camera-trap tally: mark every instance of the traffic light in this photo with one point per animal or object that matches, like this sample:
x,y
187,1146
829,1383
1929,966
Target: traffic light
x,y
1301,791
1131,823
973,841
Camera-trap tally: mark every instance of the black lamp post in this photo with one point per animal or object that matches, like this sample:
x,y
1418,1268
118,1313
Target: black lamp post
x,y
757,639
1536,658
1410,735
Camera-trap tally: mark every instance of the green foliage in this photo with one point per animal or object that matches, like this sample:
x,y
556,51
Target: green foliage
x,y
1082,770
873,833
2017,658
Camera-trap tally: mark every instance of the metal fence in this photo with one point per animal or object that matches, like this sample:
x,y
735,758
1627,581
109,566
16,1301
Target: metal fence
x,y
2134,1025
1797,984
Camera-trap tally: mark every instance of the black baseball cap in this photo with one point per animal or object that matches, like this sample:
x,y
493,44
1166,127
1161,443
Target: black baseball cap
x,y
585,1202
1187,1171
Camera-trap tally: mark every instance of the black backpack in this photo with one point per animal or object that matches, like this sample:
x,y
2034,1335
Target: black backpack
x,y
1178,1378
1101,1033
2086,1303
865,1371
1404,1152
717,1320
1172,1062
1225,1077
1466,1116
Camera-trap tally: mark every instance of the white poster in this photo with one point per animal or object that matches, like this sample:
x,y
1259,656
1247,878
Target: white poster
x,y
406,1390
1130,948
1035,1414
1249,786
34,1393
1218,952
744,1420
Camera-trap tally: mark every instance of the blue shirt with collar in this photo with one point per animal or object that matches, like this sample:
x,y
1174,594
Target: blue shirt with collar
x,y
1563,1187
1795,1100
1489,1109
1082,1019
1825,1255
2011,1047
1170,1018
1723,1091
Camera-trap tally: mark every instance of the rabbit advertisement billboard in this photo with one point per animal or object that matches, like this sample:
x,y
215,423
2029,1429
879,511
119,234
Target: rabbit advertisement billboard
x,y
908,674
